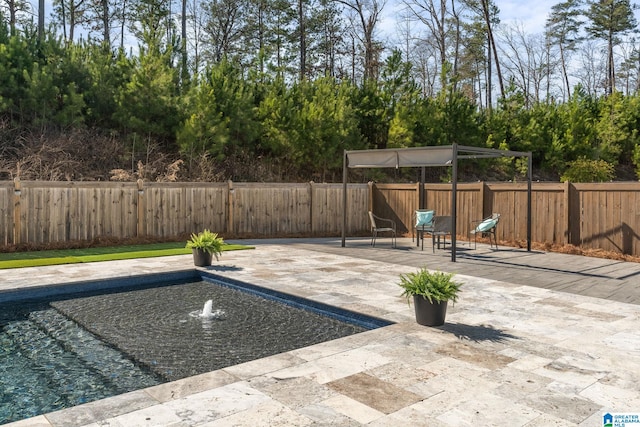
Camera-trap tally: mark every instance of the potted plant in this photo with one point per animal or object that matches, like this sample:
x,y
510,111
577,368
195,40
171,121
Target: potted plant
x,y
430,291
204,246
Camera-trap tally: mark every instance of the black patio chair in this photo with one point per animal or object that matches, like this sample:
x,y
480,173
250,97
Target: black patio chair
x,y
389,227
486,226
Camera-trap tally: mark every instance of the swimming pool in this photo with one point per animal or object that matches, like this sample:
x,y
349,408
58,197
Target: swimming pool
x,y
65,348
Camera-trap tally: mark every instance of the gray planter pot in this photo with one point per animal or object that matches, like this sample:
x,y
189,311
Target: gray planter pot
x,y
201,258
429,314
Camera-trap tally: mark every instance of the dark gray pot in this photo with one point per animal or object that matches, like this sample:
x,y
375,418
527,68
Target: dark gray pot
x,y
201,258
428,314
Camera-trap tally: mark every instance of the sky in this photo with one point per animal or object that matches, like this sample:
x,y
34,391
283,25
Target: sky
x,y
530,14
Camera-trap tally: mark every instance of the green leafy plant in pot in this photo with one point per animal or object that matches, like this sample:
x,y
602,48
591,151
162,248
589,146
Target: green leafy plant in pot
x,y
205,245
430,292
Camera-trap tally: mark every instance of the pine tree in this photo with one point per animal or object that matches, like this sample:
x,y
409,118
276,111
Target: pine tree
x,y
562,28
609,19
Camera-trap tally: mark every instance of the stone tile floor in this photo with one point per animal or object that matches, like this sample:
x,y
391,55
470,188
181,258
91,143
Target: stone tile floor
x,y
509,354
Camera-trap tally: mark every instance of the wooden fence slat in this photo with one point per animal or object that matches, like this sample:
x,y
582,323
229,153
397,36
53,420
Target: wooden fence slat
x,y
7,195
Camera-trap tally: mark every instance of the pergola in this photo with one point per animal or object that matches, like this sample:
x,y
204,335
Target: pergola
x,y
427,157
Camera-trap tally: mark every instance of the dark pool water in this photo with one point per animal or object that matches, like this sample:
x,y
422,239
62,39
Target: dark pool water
x,y
61,353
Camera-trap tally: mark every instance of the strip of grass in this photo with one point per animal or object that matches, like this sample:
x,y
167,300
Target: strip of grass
x,y
110,253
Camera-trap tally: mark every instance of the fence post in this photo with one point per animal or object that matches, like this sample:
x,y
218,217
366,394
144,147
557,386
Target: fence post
x,y
567,214
311,212
230,202
17,211
370,184
483,202
142,217
574,216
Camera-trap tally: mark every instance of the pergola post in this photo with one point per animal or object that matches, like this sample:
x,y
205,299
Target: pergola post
x,y
529,175
345,167
454,200
423,177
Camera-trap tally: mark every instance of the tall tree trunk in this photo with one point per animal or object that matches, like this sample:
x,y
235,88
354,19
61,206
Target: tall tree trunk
x,y
456,49
105,23
548,65
12,16
638,76
261,13
63,12
611,84
303,41
564,71
487,18
353,59
183,44
479,81
369,67
123,23
72,21
41,19
489,87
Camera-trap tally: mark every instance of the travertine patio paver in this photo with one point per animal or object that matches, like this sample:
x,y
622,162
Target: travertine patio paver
x,y
509,354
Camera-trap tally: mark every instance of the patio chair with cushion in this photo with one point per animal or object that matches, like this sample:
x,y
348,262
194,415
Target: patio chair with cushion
x,y
382,225
486,226
422,222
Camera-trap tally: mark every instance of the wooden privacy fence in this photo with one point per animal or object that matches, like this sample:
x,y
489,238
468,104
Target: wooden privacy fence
x,y
43,212
592,216
604,216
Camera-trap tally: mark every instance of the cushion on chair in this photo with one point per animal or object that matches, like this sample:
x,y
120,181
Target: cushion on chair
x,y
486,225
423,218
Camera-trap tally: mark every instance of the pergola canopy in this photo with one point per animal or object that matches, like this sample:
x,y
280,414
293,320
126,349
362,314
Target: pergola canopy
x,y
447,155
399,158
422,156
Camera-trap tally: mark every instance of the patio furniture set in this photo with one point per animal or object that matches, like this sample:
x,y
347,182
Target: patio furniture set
x,y
425,221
